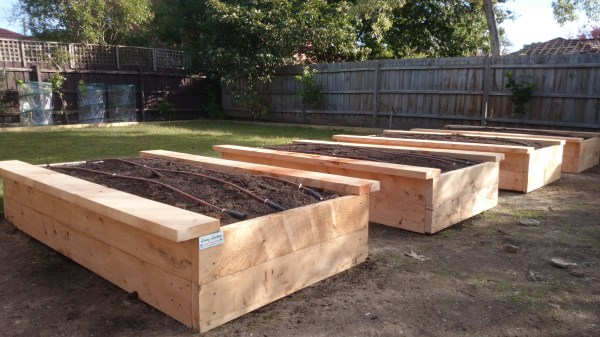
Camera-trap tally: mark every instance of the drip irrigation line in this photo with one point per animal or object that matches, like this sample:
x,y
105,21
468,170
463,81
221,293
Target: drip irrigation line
x,y
158,171
230,212
307,190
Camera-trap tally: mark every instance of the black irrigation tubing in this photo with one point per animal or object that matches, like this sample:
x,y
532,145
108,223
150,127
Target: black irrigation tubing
x,y
308,191
157,171
230,212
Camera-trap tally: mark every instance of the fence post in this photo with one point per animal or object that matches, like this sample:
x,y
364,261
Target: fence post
x,y
154,60
376,95
22,49
71,56
118,61
487,84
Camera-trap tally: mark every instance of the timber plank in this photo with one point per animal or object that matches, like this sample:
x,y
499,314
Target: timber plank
x,y
274,236
516,171
159,219
578,153
343,185
234,295
459,154
432,144
155,286
404,201
166,254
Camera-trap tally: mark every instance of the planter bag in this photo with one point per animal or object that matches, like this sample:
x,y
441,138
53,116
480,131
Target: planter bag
x,y
121,103
35,103
90,102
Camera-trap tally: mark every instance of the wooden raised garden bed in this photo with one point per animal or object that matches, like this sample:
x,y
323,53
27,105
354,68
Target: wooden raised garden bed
x,y
523,169
581,150
419,199
166,254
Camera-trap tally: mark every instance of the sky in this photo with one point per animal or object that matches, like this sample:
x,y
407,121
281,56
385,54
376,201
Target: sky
x,y
534,22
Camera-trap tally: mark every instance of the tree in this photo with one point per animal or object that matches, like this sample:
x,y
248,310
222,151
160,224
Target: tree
x,y
488,8
252,38
567,10
438,28
88,21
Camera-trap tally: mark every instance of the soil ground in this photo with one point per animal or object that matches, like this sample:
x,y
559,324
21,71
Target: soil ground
x,y
445,164
487,276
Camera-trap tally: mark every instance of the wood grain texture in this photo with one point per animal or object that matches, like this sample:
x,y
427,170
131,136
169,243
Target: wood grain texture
x,y
153,217
343,185
407,202
516,171
232,296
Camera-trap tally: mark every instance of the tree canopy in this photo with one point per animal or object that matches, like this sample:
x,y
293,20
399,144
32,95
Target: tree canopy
x,y
252,38
569,10
88,21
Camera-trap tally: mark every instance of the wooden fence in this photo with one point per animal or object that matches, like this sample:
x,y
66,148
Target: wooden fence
x,y
436,91
157,74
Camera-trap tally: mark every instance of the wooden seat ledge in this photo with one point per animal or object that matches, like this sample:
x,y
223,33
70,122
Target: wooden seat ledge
x,y
333,183
159,219
330,161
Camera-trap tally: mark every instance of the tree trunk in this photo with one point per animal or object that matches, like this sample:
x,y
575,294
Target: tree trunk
x,y
488,8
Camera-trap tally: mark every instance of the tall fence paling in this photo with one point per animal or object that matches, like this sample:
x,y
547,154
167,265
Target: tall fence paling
x,y
121,103
35,103
436,91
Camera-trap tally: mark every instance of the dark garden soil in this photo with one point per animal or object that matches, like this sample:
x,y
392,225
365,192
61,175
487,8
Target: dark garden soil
x,y
443,163
214,192
487,276
526,132
466,139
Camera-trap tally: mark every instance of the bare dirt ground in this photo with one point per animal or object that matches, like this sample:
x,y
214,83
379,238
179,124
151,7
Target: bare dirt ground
x,y
488,276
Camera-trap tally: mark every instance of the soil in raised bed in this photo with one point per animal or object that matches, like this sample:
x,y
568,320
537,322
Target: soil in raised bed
x,y
213,192
445,164
525,132
466,139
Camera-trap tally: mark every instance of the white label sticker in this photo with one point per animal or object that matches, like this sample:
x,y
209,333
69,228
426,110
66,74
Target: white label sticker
x,y
211,240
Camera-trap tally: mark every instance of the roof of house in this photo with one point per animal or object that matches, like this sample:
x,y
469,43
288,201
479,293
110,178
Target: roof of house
x,y
9,34
561,46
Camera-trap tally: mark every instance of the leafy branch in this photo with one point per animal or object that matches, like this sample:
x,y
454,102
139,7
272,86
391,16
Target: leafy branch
x,y
311,92
521,94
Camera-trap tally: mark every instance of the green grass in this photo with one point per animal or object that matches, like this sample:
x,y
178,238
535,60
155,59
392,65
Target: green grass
x,y
195,137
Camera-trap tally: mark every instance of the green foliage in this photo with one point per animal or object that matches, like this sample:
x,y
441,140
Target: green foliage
x,y
311,92
57,80
436,28
88,21
251,38
521,94
568,10
164,107
250,100
213,108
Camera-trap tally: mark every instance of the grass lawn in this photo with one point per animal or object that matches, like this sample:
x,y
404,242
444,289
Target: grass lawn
x,y
195,137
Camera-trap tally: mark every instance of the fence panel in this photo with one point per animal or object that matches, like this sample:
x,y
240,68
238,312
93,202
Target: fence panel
x,y
436,91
